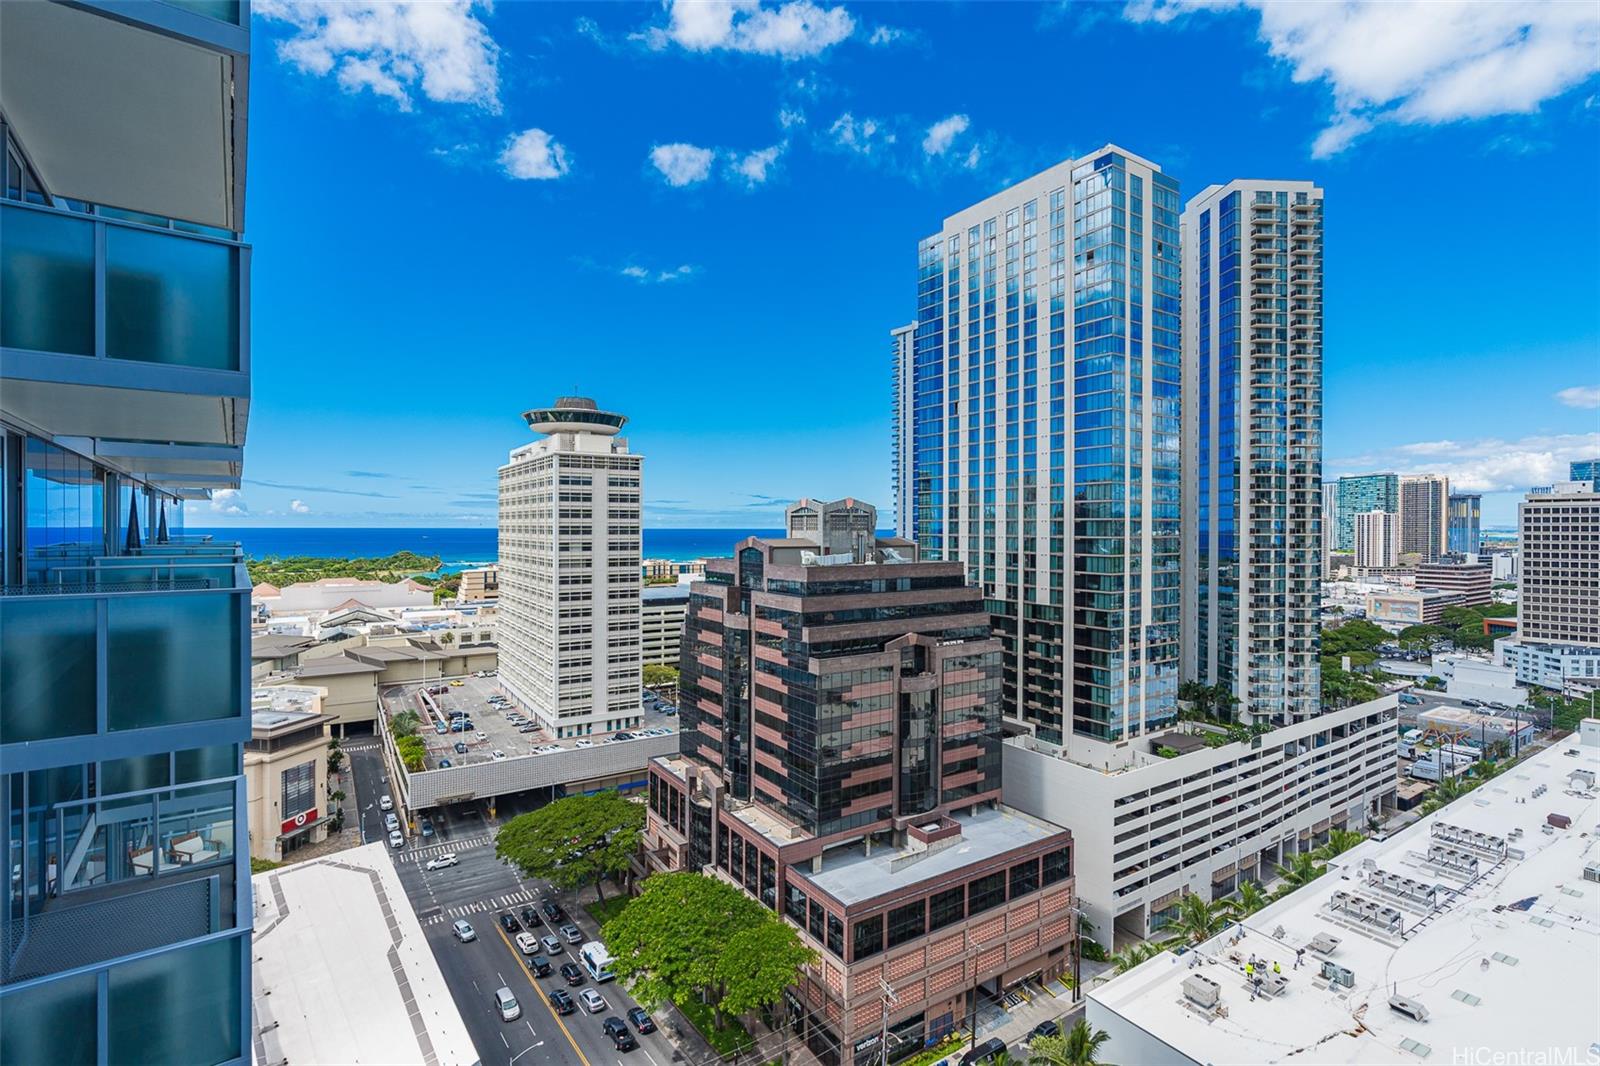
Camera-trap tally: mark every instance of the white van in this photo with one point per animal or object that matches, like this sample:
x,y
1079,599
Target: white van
x,y
510,1009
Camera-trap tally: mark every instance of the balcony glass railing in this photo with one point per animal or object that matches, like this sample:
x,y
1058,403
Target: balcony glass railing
x,y
168,296
121,838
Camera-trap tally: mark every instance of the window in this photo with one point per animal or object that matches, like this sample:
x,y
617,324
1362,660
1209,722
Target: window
x,y
947,908
816,920
1057,865
907,922
299,790
794,905
835,934
986,892
868,937
1024,878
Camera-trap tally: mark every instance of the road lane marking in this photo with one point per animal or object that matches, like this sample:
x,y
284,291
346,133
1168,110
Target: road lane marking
x,y
539,994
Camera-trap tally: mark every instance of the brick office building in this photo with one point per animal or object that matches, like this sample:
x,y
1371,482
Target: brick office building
x,y
841,728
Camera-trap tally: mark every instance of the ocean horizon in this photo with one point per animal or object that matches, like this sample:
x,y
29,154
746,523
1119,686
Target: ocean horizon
x,y
457,548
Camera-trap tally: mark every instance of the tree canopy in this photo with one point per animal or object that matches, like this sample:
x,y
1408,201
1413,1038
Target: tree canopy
x,y
287,570
1078,1046
688,936
658,676
574,841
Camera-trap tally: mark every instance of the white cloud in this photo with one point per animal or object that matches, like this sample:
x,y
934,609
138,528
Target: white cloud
x,y
1580,396
646,276
789,118
882,35
943,133
859,135
790,30
1484,465
534,154
228,502
753,167
682,164
393,49
1419,61
299,507
973,158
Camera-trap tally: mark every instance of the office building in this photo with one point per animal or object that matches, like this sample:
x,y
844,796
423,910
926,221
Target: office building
x,y
1466,513
1410,607
478,584
1584,470
1043,450
1179,813
569,611
1330,525
1462,937
1559,593
1552,666
840,759
1359,494
1377,540
1424,515
124,399
1473,581
286,770
663,608
902,352
1253,497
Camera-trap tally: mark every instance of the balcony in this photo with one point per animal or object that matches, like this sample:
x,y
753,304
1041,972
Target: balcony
x,y
122,644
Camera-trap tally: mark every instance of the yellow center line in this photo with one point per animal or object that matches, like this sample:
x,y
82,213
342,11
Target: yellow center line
x,y
539,993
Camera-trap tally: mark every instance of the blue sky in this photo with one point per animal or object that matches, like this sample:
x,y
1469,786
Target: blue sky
x,y
706,216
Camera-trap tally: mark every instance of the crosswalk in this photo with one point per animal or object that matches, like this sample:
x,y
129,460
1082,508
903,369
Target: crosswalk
x,y
482,906
433,851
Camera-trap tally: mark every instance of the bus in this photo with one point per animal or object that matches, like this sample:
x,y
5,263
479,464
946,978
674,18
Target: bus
x,y
597,960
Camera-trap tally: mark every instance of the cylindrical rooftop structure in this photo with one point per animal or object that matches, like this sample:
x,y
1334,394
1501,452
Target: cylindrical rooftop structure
x,y
574,414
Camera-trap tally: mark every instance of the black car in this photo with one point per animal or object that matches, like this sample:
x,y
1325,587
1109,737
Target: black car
x,y
540,966
552,911
561,1001
641,1020
617,1030
530,918
571,972
509,923
1045,1028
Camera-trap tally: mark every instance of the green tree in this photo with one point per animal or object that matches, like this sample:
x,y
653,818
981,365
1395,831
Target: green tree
x,y
658,676
1339,841
405,723
1249,900
1198,920
412,752
1303,869
1133,955
574,841
335,756
1445,792
758,964
1078,1046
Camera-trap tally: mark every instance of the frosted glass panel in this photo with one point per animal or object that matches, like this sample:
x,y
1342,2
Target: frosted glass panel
x,y
208,764
171,659
171,300
180,1006
47,668
53,1023
46,282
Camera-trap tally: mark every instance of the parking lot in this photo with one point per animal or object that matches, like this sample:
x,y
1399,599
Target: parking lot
x,y
495,729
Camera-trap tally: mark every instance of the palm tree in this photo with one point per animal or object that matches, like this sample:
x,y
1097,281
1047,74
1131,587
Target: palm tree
x,y
1133,955
1339,841
1198,920
1303,869
1444,792
1079,1046
1250,900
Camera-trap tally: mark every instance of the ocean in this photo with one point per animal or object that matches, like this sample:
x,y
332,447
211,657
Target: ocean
x,y
459,549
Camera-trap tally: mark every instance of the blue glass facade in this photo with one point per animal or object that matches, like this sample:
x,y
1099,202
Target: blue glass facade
x,y
1362,493
1466,512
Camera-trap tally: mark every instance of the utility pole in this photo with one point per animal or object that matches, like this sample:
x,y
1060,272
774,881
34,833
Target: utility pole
x,y
889,1001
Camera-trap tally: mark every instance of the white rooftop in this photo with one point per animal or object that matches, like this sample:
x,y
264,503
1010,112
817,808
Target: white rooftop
x,y
350,975
1507,962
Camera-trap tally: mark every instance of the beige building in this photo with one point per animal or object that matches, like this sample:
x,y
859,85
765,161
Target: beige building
x,y
1416,607
1559,597
286,770
1377,539
672,569
661,628
478,584
1474,581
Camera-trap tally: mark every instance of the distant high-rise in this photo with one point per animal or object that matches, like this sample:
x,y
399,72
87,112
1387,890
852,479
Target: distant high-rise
x,y
1360,493
1466,511
1424,515
901,353
1585,470
1377,539
1559,598
1043,450
1253,497
1330,524
569,613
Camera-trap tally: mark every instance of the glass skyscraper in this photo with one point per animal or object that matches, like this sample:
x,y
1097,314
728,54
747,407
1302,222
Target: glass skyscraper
x,y
1043,445
125,659
1466,511
1584,470
1359,494
1253,494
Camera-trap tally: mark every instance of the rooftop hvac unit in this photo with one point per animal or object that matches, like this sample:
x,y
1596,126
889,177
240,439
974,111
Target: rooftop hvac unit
x,y
1324,943
1409,1007
1274,984
1202,991
1591,872
1335,974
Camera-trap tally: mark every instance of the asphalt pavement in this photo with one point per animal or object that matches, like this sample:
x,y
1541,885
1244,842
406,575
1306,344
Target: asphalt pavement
x,y
366,766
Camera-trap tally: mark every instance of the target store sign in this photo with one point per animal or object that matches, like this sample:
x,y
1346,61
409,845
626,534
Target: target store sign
x,y
299,821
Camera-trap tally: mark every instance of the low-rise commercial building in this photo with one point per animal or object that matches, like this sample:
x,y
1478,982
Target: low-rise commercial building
x,y
1550,666
307,597
1466,937
1470,678
1415,607
1471,581
286,770
1149,828
1476,729
661,623
671,569
841,704
478,584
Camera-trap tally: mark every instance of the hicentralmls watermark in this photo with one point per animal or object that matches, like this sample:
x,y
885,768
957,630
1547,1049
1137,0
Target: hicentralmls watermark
x,y
1542,1056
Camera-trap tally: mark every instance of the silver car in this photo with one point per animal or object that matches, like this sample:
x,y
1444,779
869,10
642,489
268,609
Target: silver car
x,y
510,1009
463,931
